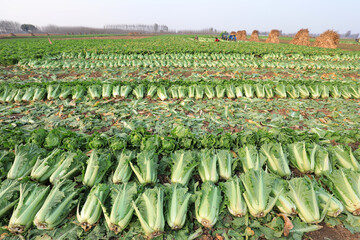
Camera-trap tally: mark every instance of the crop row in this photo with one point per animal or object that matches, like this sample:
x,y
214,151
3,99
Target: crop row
x,y
192,63
179,137
307,158
202,56
255,192
14,50
196,91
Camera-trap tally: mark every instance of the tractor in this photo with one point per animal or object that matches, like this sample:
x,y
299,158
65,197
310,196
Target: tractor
x,y
228,37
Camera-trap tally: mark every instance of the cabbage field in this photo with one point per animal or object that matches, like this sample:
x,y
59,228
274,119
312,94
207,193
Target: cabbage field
x,y
169,138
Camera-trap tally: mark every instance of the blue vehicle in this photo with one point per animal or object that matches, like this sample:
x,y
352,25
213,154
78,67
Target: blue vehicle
x,y
228,37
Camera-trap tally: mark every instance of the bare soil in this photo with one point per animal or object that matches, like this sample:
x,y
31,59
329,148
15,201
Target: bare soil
x,y
327,233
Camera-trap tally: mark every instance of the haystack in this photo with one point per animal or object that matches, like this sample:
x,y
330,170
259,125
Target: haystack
x,y
329,39
273,36
302,37
233,33
241,35
254,36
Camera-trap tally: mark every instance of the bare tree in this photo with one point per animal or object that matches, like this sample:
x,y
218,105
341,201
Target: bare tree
x,y
9,26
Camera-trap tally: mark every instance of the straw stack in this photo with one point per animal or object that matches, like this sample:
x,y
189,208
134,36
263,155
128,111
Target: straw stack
x,y
302,37
241,35
273,36
254,36
329,39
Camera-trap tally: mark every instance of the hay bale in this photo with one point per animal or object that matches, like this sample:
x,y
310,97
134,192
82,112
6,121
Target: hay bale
x,y
328,39
273,36
241,35
233,33
254,36
302,37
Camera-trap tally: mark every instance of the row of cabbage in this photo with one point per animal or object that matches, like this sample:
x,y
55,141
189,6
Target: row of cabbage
x,y
255,192
203,56
196,91
170,56
336,57
31,160
190,63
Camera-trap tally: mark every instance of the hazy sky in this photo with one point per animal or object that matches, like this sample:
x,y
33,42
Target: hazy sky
x,y
289,15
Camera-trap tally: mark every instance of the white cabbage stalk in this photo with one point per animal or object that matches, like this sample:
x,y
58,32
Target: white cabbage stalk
x,y
250,158
69,165
303,91
323,165
9,190
174,93
183,164
125,91
53,91
345,158
230,92
98,165
178,202
123,170
44,167
199,92
248,91
315,91
260,90
121,209
258,186
31,199
149,210
28,95
335,207
182,92
139,91
207,204
284,202
233,191
225,161
78,92
345,184
238,91
57,206
345,92
209,92
325,92
65,92
300,158
25,159
151,91
303,193
106,91
146,168
280,91
162,94
95,91
208,166
220,91
91,210
293,92
268,91
116,91
276,158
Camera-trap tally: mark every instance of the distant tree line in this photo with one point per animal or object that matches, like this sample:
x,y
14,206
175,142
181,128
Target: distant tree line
x,y
143,28
12,27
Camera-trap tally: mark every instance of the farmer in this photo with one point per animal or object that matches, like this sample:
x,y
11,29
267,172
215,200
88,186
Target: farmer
x,y
217,40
